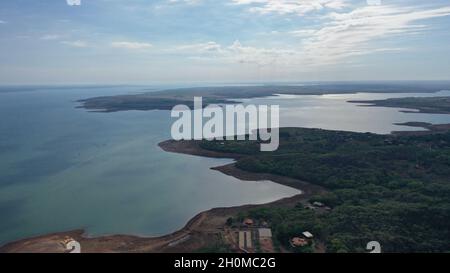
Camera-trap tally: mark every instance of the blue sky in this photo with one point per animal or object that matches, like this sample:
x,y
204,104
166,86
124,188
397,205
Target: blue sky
x,y
185,41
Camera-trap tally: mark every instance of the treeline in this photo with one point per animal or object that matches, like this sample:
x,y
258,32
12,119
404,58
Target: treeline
x,y
391,189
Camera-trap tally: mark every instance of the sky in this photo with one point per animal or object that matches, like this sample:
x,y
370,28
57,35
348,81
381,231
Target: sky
x,y
205,41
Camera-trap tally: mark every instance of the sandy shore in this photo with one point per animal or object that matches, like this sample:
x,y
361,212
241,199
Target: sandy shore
x,y
203,230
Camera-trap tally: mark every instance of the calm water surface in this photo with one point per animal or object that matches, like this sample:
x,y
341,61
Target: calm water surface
x,y
63,168
333,112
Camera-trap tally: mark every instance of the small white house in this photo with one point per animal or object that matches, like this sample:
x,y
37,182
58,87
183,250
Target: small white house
x,y
308,235
318,204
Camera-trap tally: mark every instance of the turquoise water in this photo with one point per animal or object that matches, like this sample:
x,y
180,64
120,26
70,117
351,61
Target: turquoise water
x,y
63,168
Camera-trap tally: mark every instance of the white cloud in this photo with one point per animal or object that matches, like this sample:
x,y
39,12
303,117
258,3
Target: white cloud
x,y
302,32
50,37
185,1
354,33
131,45
235,53
290,6
343,35
73,2
2,22
259,56
75,43
200,47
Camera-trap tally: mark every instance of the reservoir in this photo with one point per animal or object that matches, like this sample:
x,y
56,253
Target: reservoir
x,y
63,168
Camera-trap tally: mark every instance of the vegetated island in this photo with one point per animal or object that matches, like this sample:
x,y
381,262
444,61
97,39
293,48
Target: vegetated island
x,y
429,105
167,99
361,187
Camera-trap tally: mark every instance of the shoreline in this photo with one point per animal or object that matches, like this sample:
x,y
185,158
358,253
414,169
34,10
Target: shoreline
x,y
198,232
166,99
192,148
429,128
415,105
201,229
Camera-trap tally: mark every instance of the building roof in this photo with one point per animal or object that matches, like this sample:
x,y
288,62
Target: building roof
x,y
308,234
265,232
318,204
66,240
245,239
296,241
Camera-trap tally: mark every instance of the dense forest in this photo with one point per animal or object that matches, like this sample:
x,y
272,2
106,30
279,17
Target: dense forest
x,y
391,189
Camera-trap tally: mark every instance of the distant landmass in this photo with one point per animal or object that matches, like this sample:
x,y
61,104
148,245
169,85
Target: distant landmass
x,y
167,99
429,105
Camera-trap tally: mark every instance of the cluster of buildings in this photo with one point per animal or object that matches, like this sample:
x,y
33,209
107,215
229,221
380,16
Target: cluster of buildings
x,y
304,240
251,232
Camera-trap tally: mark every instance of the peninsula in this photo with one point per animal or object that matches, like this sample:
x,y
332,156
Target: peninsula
x,y
356,188
167,99
429,105
360,187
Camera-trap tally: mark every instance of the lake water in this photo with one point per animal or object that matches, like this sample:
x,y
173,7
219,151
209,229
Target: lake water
x,y
63,168
333,112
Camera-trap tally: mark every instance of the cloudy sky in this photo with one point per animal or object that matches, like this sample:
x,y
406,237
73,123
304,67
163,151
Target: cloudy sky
x,y
184,41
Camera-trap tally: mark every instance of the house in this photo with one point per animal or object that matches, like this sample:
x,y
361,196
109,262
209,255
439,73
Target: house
x,y
318,204
248,222
298,242
265,233
308,235
66,241
245,240
265,240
